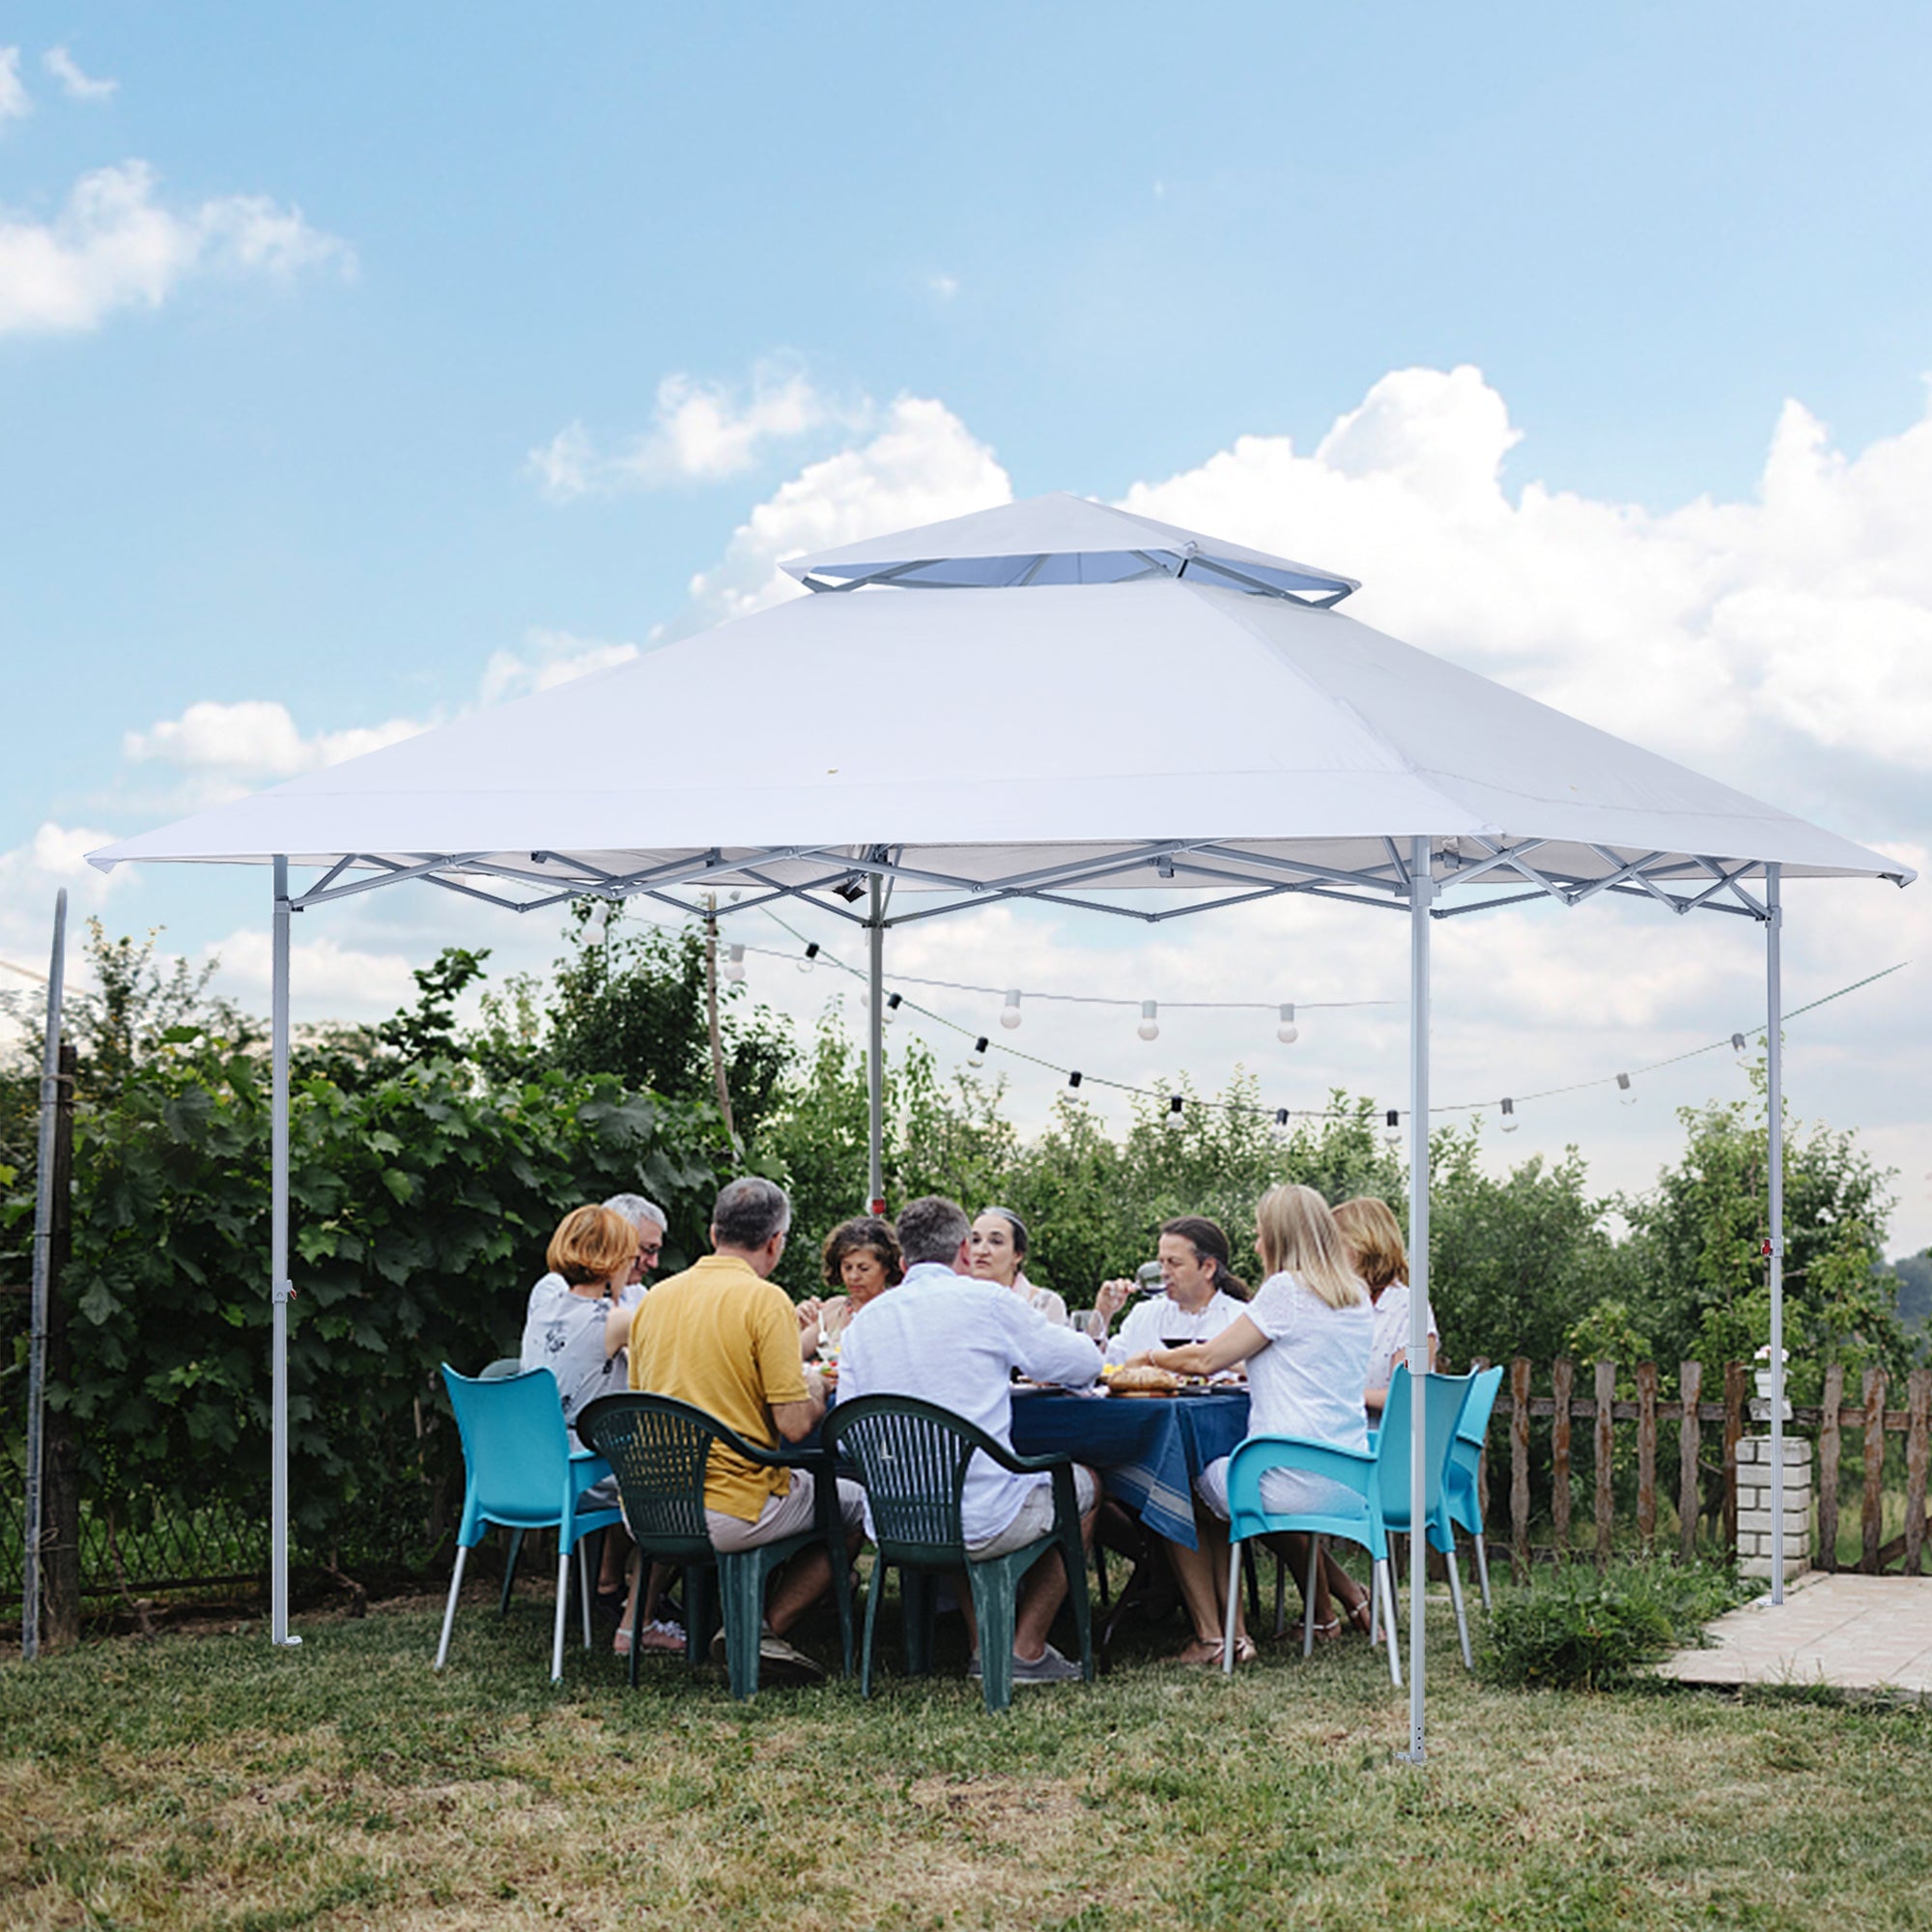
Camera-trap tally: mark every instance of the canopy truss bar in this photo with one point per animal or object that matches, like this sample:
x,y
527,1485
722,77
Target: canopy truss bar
x,y
1685,905
334,872
1499,857
391,874
1757,910
1633,870
1485,906
1338,875
1396,865
1263,889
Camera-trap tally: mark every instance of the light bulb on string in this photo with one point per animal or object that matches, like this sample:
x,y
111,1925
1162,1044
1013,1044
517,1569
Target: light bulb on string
x,y
1625,1096
1073,1078
734,965
1281,1122
1392,1127
1741,1049
893,1007
1010,1014
810,953
978,1057
1288,1033
1174,1103
1510,1121
1150,1025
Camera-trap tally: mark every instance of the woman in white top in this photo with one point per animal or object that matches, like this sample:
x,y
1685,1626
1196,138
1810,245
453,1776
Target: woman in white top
x,y
1374,1238
1202,1294
998,1245
1305,1338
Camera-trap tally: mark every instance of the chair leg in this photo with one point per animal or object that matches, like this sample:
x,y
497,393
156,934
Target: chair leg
x,y
450,1611
584,1583
1100,1570
1228,1616
740,1585
873,1592
918,1589
1308,1597
1483,1569
1074,1556
1280,1595
510,1571
1387,1588
1253,1573
562,1610
1455,1598
995,1591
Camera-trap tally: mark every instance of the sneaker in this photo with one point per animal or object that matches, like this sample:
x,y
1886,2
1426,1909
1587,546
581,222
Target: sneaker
x,y
972,1667
1048,1667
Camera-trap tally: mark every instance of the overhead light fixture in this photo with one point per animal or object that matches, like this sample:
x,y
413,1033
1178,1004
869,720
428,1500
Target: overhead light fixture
x,y
1288,1033
851,888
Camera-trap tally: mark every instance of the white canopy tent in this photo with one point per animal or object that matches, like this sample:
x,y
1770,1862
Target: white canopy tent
x,y
1347,766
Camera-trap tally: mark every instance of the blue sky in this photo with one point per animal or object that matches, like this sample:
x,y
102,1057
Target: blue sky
x,y
277,389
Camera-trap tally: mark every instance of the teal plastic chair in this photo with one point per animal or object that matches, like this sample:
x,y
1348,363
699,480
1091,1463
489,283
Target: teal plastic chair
x,y
912,1458
1465,1454
521,1472
658,1449
1379,1477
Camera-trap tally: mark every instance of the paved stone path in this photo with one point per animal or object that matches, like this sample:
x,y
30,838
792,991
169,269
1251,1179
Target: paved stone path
x,y
1853,1633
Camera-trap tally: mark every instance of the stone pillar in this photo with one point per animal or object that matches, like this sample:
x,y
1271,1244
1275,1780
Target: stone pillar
x,y
1755,1506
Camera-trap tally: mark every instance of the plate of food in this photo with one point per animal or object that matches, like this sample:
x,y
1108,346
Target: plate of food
x,y
1143,1378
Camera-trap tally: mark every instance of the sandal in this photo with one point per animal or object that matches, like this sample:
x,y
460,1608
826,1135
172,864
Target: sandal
x,y
1360,1615
660,1634
1325,1633
1244,1650
1203,1650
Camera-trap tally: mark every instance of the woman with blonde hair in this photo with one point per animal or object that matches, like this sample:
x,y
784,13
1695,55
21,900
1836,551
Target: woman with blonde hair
x,y
1305,1337
1374,1238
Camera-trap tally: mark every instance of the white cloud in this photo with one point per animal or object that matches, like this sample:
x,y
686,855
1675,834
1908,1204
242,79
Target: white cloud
x,y
944,287
114,246
549,658
53,857
327,979
15,102
923,466
75,84
230,749
701,433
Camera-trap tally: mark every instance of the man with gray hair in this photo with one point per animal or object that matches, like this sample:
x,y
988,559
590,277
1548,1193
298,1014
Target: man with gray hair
x,y
945,1337
723,1337
650,1221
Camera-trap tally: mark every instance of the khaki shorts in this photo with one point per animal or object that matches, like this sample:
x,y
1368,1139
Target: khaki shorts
x,y
788,1515
1034,1518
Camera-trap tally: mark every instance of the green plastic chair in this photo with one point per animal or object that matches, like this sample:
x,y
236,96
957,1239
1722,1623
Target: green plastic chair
x,y
912,1458
659,1450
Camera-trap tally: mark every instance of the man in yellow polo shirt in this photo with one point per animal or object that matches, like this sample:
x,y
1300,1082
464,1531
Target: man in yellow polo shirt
x,y
721,1337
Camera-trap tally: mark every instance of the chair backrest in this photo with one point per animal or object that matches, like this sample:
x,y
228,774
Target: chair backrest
x,y
1443,1400
1483,1386
911,1458
502,1367
516,1456
658,1448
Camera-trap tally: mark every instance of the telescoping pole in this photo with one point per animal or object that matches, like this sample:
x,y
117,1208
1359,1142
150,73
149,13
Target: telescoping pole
x,y
37,1341
876,1053
1421,895
1774,1245
278,1268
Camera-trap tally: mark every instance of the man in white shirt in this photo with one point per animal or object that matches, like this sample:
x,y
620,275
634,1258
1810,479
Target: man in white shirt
x,y
1202,1294
944,1337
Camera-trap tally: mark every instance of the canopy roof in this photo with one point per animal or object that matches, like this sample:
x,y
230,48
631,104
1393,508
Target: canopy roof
x,y
1060,539
1044,740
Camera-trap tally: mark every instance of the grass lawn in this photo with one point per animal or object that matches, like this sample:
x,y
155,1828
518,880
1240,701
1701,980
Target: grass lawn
x,y
209,1780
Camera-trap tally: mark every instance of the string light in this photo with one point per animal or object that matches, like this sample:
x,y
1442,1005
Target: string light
x,y
1392,1127
1073,1078
1150,1025
1174,1103
1740,1047
978,1057
1288,1033
1010,1014
892,1001
1510,1121
810,953
1625,1096
734,965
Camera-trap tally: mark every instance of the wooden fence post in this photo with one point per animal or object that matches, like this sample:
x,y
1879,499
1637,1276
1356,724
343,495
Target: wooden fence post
x,y
1562,1377
1689,1447
1873,1515
1735,1385
1646,1455
1829,1444
1520,1467
1607,1398
1918,1453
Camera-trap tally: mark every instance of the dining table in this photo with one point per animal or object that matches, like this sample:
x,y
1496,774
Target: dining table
x,y
1148,1450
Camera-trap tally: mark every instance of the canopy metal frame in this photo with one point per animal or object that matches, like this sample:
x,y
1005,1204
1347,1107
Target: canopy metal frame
x,y
1411,878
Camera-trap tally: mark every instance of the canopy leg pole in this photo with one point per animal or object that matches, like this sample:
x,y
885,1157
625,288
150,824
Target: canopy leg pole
x,y
875,1054
1421,895
278,1269
37,1341
1774,1247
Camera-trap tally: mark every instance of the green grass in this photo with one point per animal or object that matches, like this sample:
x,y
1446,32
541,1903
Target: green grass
x,y
213,1782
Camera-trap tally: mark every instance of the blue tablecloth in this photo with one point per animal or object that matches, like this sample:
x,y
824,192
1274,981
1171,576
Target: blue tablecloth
x,y
1148,1450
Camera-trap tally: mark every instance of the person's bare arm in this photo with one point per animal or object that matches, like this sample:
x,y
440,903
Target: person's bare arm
x,y
616,1329
809,1311
794,1421
1236,1343
1376,1400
